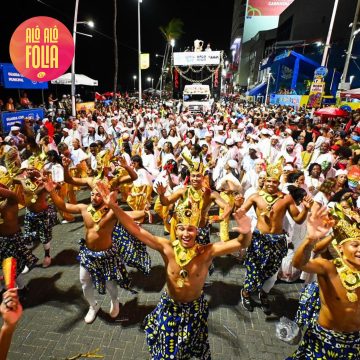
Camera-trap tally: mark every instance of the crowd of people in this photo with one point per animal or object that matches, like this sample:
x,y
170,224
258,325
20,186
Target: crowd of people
x,y
291,180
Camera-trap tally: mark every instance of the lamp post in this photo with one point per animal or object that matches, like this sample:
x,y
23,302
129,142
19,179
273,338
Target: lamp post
x,y
139,48
248,84
328,39
90,24
150,80
267,87
354,32
134,78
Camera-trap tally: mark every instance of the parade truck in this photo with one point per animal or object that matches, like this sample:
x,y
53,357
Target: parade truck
x,y
197,98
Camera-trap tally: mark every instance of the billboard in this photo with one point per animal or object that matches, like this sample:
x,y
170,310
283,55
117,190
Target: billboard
x,y
188,58
10,78
9,119
262,15
266,7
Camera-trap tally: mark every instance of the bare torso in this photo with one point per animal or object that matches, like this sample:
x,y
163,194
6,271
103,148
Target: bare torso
x,y
337,312
271,222
9,214
197,272
98,240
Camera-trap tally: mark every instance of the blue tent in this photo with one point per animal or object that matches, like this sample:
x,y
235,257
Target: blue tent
x,y
257,90
292,68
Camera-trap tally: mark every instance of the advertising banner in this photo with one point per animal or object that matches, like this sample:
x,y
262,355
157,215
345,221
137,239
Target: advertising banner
x,y
287,100
144,61
267,7
10,78
9,119
188,58
41,48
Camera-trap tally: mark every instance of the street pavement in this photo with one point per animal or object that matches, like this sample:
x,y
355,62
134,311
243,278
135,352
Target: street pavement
x,y
52,325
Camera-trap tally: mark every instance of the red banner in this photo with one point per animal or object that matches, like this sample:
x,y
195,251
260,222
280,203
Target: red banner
x,y
267,7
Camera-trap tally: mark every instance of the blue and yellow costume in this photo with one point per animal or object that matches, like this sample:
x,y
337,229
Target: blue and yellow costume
x,y
319,343
263,258
178,330
14,246
104,266
131,250
38,225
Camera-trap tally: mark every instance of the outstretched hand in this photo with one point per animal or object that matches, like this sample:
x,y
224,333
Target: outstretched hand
x,y
49,185
66,161
243,221
10,307
108,196
160,189
319,223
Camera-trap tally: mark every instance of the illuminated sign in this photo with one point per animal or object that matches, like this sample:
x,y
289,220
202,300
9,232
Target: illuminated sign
x,y
267,7
41,48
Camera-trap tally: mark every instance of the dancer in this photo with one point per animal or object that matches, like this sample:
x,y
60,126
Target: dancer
x,y
268,246
100,265
336,334
177,328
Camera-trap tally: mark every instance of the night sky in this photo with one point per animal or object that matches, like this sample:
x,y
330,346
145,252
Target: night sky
x,y
94,56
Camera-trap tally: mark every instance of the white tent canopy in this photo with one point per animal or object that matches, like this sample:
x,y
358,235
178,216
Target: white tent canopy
x,y
80,79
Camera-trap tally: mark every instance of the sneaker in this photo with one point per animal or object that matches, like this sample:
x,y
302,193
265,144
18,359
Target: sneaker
x,y
26,270
265,305
91,314
46,262
246,302
67,221
114,309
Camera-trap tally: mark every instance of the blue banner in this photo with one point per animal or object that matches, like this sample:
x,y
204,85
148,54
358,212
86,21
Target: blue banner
x,y
10,78
9,119
287,100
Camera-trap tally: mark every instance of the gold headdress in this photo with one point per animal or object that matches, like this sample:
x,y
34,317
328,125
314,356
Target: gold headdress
x,y
188,212
36,162
274,170
194,166
12,161
346,229
102,160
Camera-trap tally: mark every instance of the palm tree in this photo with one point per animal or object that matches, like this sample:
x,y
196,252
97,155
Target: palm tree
x,y
116,59
172,31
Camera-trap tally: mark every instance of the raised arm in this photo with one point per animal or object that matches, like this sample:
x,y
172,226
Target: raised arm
x,y
215,196
8,194
132,175
129,224
242,241
167,200
73,180
300,217
318,226
58,201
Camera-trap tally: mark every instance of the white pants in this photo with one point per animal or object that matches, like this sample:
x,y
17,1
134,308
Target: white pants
x,y
88,287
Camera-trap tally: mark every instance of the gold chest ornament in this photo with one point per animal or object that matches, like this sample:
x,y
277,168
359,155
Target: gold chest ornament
x,y
349,278
270,201
183,256
32,187
97,215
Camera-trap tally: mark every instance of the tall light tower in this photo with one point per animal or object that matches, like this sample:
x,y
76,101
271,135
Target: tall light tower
x,y
139,48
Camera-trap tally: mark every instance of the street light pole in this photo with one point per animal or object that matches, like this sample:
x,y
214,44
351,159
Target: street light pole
x,y
139,41
267,87
354,32
73,106
328,39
